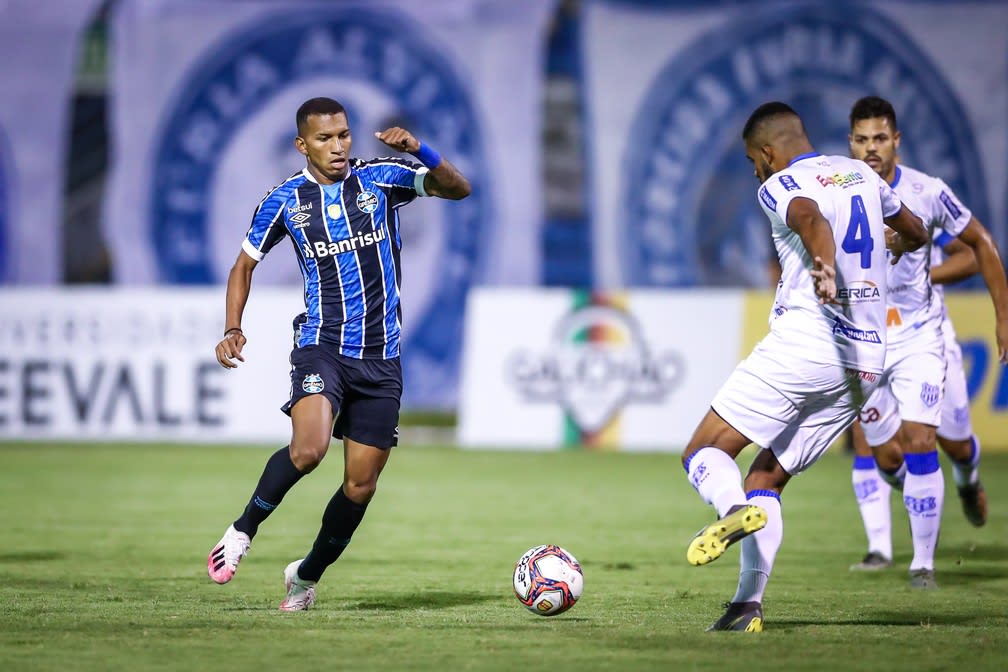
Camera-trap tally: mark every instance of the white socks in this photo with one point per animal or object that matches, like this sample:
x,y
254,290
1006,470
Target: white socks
x,y
968,474
717,478
924,496
872,494
759,549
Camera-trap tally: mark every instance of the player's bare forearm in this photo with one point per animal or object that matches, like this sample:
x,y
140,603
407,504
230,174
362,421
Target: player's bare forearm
x,y
960,263
445,181
239,285
805,219
991,266
909,231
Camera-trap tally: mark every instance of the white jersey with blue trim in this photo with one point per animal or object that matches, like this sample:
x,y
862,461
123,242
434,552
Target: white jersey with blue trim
x,y
913,302
854,200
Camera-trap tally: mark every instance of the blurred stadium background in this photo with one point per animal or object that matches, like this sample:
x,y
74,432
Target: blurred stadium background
x,y
606,274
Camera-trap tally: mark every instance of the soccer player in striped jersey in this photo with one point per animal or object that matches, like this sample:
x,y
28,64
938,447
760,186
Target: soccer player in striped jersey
x,y
341,215
803,384
901,417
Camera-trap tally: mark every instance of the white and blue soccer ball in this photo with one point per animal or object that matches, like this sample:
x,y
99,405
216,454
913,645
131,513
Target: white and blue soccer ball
x,y
548,580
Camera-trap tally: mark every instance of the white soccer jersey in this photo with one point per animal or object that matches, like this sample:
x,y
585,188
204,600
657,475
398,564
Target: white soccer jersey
x,y
854,199
912,300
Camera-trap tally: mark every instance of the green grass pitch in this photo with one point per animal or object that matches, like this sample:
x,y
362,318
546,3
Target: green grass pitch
x,y
103,551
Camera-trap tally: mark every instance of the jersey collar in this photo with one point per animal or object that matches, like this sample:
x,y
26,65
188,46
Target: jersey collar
x,y
311,178
896,178
806,155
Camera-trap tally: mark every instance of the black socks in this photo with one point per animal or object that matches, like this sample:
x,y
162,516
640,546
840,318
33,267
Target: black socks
x,y
277,478
341,518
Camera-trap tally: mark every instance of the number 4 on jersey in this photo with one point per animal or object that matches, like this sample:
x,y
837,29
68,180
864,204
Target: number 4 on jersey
x,y
858,238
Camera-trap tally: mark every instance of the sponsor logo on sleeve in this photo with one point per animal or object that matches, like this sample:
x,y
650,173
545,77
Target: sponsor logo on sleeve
x,y
769,201
788,183
950,205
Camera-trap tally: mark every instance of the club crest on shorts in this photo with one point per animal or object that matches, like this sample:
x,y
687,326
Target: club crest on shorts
x,y
367,202
312,383
929,394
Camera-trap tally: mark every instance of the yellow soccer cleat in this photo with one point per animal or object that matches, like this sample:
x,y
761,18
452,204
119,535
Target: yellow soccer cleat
x,y
711,541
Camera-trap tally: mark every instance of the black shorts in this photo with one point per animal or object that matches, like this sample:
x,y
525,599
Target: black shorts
x,y
364,393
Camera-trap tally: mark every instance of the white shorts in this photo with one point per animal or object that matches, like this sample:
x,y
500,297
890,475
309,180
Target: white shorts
x,y
955,416
789,405
912,386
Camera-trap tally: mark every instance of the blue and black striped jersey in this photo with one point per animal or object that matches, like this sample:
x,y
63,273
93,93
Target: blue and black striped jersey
x,y
346,237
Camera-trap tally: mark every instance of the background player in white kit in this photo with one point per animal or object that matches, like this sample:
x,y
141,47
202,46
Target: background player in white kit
x,y
901,417
805,381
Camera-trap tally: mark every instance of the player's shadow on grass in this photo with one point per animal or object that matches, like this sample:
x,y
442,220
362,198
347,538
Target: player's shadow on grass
x,y
422,600
916,619
17,557
985,552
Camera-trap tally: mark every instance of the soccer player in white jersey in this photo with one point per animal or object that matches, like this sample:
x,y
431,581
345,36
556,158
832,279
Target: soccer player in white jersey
x,y
951,260
805,381
901,417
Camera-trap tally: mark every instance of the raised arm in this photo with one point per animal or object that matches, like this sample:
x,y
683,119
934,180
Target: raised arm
x,y
443,179
239,285
805,219
992,269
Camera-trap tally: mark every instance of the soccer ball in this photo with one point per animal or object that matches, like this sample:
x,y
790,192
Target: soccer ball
x,y
548,580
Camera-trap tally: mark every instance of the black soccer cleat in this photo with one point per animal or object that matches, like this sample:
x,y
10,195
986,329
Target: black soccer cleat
x,y
974,503
740,617
872,562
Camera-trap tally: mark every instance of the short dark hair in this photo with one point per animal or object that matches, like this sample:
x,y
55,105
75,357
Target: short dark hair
x,y
314,106
871,107
764,112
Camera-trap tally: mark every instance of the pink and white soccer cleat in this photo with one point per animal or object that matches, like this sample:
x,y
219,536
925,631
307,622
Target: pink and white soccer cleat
x,y
300,593
222,563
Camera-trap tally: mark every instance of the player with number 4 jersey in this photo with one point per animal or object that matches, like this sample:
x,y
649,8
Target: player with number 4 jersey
x,y
804,383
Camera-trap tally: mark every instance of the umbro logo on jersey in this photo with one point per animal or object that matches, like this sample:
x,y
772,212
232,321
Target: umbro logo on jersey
x,y
300,220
